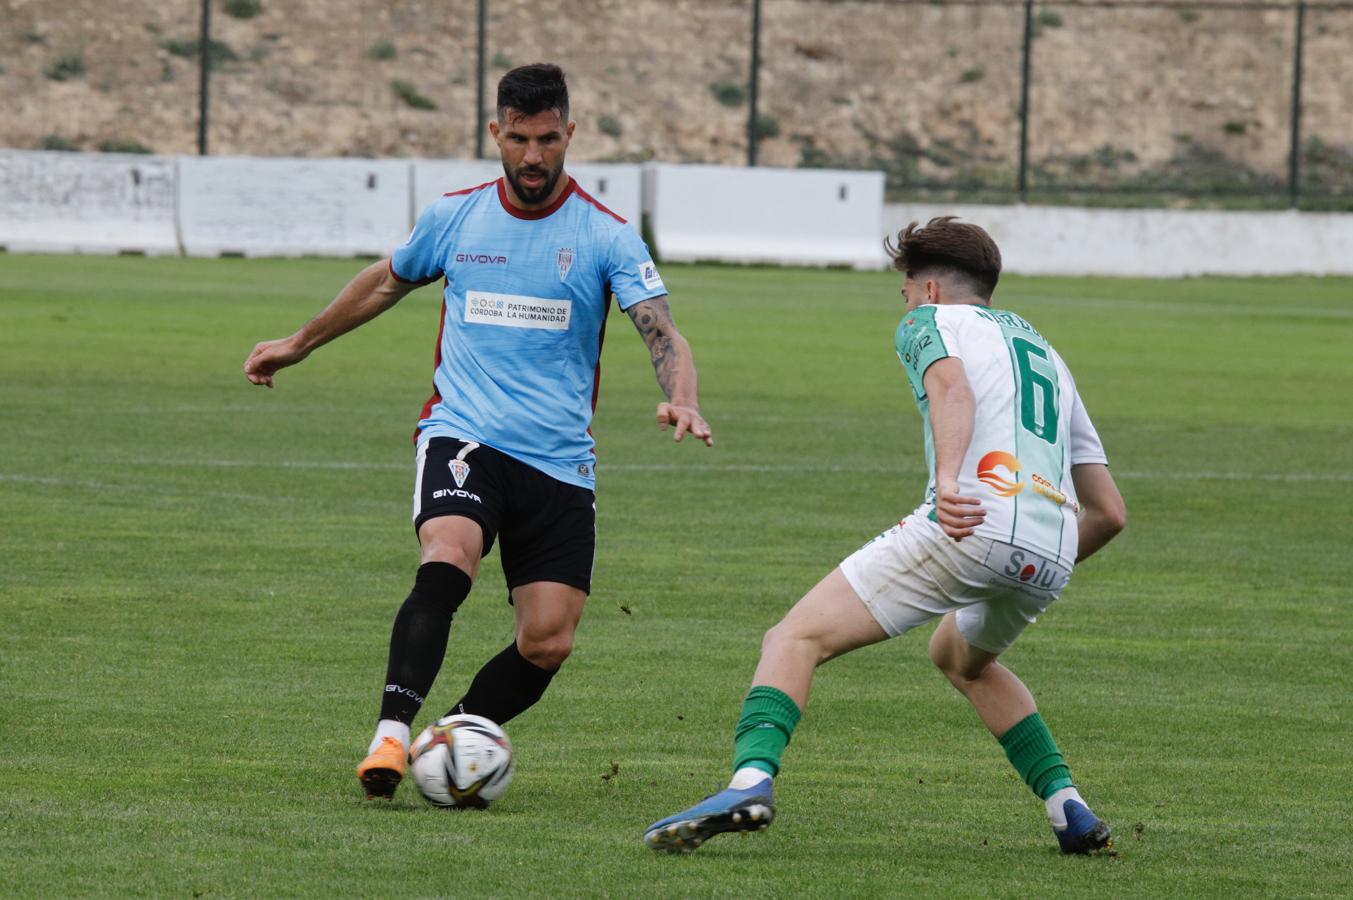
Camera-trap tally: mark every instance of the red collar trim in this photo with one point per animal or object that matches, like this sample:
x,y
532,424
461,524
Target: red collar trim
x,y
520,213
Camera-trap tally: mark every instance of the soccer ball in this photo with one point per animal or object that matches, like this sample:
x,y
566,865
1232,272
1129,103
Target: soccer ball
x,y
461,761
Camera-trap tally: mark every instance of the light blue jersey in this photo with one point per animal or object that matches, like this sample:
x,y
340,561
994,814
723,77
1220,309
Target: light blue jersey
x,y
523,314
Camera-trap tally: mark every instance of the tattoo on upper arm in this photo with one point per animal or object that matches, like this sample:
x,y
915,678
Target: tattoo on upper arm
x,y
652,317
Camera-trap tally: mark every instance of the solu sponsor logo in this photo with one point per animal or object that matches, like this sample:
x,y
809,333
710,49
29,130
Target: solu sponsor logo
x,y
988,472
1032,570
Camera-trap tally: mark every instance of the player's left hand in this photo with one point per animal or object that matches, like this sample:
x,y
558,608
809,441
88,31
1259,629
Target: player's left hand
x,y
959,516
685,419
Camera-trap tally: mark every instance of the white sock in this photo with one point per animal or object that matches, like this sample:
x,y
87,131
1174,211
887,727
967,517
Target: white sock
x,y
390,728
746,777
1054,805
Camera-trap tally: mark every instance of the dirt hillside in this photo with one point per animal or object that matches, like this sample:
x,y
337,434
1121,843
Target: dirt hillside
x,y
927,91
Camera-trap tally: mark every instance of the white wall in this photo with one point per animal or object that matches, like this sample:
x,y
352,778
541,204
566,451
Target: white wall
x,y
618,187
292,207
1166,243
86,202
794,216
110,203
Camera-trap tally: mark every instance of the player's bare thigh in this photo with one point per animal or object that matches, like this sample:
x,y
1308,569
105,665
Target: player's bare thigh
x,y
832,617
830,620
457,540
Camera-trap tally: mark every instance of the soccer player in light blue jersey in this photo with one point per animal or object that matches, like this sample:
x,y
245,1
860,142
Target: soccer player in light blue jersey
x,y
529,263
1019,493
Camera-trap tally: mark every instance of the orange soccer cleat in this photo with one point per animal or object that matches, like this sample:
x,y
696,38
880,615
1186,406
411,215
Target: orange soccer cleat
x,y
381,772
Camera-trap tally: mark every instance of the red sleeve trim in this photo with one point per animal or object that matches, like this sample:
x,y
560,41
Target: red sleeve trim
x,y
402,280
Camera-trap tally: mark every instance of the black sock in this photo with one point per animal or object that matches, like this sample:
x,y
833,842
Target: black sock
x,y
418,640
507,685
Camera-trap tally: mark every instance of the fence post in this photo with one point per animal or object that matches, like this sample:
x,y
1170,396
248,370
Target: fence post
x,y
1024,101
1294,152
479,123
754,79
203,78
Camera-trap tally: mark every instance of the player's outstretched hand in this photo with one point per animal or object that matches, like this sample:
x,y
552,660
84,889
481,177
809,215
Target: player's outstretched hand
x,y
268,357
959,516
685,419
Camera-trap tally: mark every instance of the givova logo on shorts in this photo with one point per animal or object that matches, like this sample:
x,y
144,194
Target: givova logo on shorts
x,y
460,470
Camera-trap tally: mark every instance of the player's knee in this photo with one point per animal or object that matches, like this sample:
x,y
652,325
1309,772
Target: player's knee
x,y
960,670
948,656
785,637
448,552
546,651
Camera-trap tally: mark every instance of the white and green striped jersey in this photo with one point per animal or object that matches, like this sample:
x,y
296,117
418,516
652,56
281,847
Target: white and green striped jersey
x,y
1030,426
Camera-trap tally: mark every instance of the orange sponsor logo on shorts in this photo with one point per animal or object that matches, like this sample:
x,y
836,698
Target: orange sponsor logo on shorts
x,y
987,474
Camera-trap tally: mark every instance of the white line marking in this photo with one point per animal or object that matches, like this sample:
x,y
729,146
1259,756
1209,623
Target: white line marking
x,y
761,468
1190,307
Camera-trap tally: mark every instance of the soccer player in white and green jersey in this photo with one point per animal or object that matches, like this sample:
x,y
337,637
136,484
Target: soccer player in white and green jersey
x,y
1019,492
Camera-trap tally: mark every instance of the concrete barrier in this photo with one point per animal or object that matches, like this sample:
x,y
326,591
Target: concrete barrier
x,y
292,207
789,216
110,203
618,187
87,203
1153,243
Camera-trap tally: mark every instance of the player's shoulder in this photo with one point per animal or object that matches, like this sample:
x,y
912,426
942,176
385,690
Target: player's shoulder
x,y
600,218
451,202
917,330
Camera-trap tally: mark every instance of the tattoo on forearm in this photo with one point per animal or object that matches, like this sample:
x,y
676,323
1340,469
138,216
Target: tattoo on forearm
x,y
665,364
653,318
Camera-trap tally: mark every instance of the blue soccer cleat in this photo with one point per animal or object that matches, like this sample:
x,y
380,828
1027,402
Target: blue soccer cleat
x,y
1084,831
750,809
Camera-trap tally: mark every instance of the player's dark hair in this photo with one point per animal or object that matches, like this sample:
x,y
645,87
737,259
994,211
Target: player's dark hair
x,y
945,246
533,89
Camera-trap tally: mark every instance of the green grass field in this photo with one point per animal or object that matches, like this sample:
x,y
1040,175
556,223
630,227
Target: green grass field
x,y
197,579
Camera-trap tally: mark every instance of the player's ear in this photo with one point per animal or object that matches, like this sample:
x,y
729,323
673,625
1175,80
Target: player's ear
x,y
568,132
493,128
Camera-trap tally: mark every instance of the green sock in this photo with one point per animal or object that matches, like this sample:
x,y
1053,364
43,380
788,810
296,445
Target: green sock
x,y
1034,754
768,719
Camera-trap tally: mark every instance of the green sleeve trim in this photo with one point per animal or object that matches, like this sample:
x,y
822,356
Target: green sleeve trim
x,y
919,345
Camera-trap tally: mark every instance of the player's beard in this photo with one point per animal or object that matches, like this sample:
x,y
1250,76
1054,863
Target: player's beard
x,y
533,195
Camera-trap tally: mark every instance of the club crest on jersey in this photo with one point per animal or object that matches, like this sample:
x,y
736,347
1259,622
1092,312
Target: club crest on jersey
x,y
460,470
565,260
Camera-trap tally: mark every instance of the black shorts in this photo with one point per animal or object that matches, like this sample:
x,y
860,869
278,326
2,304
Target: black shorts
x,y
548,527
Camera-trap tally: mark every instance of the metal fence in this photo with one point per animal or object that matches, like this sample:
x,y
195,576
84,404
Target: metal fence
x,y
1108,101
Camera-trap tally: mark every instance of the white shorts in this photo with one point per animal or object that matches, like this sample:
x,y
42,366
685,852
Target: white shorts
x,y
914,572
